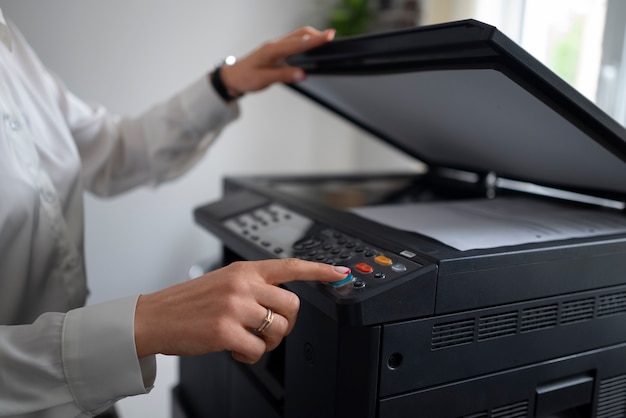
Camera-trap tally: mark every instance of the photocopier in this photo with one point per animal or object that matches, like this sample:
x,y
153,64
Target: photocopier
x,y
492,284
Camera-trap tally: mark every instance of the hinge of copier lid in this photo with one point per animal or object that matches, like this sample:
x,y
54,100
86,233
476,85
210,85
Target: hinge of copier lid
x,y
491,182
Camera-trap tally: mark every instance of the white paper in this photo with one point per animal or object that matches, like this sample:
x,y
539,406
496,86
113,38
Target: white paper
x,y
491,223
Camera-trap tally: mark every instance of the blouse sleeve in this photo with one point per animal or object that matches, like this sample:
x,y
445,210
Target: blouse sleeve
x,y
73,364
118,154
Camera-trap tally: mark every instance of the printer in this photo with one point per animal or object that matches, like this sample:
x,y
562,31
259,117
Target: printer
x,y
493,284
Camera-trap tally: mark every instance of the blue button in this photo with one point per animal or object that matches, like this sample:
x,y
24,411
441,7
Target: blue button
x,y
349,278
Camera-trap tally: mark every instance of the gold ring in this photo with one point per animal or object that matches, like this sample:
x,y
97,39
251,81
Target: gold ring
x,y
267,321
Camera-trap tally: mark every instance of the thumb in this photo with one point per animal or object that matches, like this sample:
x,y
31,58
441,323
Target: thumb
x,y
288,74
283,74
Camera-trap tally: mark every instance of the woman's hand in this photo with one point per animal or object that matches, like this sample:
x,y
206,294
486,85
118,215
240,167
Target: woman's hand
x,y
266,64
222,309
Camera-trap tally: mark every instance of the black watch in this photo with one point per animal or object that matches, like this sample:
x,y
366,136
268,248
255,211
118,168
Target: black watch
x,y
218,84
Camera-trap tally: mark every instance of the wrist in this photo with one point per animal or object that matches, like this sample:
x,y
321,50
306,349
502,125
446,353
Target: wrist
x,y
217,80
144,341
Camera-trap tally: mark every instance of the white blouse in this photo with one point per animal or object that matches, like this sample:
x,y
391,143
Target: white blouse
x,y
58,358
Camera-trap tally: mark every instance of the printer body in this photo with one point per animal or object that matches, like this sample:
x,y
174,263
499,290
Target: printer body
x,y
427,328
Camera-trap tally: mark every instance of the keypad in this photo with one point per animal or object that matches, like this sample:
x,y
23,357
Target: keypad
x,y
284,233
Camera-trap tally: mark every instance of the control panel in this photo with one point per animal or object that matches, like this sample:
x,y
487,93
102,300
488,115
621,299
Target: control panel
x,y
283,233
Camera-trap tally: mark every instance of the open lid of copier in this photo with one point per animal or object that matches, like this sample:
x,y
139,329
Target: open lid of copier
x,y
463,96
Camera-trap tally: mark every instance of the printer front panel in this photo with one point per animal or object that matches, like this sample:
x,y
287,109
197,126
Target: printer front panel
x,y
474,343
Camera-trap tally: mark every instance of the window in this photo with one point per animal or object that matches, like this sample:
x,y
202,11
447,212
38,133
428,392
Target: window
x,y
583,41
566,35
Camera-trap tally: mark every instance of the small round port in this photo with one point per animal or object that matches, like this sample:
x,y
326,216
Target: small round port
x,y
394,361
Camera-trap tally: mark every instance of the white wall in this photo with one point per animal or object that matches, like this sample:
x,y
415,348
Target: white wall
x,y
127,54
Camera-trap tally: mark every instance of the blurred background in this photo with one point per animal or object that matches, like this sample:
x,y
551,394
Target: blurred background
x,y
129,54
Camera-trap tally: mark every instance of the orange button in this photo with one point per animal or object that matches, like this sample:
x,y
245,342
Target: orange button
x,y
383,261
364,268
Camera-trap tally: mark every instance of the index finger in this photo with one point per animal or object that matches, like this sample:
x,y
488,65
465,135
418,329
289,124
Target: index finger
x,y
291,269
300,41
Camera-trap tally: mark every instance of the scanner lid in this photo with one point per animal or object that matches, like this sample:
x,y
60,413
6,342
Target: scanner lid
x,y
462,95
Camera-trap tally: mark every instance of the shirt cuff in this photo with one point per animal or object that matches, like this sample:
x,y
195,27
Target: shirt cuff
x,y
99,355
198,100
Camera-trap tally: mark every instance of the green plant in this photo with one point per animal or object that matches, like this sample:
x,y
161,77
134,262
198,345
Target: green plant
x,y
350,17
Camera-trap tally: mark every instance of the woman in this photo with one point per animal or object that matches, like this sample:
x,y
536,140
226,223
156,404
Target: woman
x,y
59,358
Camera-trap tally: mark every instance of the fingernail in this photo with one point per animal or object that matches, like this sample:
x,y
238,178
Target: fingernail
x,y
299,75
342,269
330,34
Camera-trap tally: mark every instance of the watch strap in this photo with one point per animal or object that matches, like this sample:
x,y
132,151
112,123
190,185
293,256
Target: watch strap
x,y
218,83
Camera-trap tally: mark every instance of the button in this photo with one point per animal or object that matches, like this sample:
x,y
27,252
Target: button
x,y
278,250
48,195
358,284
349,278
71,263
308,243
379,275
383,261
364,268
12,123
398,267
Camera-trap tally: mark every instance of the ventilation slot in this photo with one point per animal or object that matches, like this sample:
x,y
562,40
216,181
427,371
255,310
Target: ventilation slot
x,y
577,310
518,410
496,326
611,304
538,318
612,398
452,333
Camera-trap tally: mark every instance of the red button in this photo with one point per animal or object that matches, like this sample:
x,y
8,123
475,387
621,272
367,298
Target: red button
x,y
364,268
